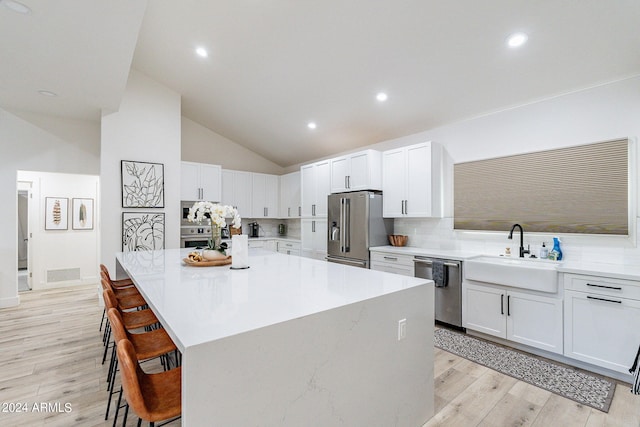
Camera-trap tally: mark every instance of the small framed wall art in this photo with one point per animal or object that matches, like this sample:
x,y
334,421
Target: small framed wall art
x,y
56,216
142,184
142,231
82,214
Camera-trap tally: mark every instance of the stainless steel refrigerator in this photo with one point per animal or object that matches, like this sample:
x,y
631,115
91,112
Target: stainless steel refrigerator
x,y
355,224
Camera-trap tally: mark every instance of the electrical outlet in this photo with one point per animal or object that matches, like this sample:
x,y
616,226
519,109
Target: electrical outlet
x,y
402,329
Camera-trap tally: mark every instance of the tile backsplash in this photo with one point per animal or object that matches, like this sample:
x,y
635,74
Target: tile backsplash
x,y
438,233
269,227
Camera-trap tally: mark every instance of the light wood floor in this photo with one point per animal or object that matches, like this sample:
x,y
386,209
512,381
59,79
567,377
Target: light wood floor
x,y
50,352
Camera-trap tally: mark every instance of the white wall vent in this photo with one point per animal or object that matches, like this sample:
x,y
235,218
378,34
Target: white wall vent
x,y
63,275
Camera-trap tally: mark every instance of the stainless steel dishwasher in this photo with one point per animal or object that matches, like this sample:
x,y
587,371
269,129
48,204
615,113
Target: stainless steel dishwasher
x,y
448,298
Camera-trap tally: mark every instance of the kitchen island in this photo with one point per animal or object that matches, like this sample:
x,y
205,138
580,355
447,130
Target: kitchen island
x,y
293,341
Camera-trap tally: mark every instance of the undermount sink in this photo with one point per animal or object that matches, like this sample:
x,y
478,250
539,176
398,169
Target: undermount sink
x,y
527,273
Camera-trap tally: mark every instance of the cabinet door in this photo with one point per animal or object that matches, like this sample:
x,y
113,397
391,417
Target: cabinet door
x,y
393,182
314,237
189,181
484,309
308,189
418,181
228,194
339,172
320,237
535,321
293,207
243,192
271,189
323,188
259,195
211,182
601,330
365,171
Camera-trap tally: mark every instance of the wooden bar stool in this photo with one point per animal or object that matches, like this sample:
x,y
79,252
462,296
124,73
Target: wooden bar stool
x,y
147,345
153,397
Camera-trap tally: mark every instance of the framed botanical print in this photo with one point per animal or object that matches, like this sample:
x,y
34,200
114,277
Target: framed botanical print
x,y
142,184
82,214
142,231
56,215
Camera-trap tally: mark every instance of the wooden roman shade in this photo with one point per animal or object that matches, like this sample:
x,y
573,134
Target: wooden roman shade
x,y
581,189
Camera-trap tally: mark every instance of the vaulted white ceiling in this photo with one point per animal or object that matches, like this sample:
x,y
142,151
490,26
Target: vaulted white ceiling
x,y
275,65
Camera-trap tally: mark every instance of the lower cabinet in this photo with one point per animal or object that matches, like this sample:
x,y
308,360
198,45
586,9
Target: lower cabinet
x,y
602,316
289,248
314,238
268,245
516,315
392,263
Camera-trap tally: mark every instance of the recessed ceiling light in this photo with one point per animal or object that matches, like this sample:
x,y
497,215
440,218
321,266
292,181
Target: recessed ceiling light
x,y
202,52
16,6
47,93
311,125
381,96
517,39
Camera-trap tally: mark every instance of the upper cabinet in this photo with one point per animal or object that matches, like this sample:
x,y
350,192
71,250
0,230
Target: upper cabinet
x,y
290,195
264,201
237,191
315,186
200,181
357,171
412,181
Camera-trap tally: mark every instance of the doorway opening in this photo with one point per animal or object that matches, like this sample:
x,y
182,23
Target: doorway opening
x,y
24,275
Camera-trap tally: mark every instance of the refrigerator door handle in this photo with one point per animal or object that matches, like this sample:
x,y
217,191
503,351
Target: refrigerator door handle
x,y
347,223
341,224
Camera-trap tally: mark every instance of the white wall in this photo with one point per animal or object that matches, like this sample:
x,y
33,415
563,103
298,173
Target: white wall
x,y
55,250
200,144
146,128
598,114
601,113
29,145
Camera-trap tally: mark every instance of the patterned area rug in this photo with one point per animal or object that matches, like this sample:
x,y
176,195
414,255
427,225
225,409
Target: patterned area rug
x,y
587,389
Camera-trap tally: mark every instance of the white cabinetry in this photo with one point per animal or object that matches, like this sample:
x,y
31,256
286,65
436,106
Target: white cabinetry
x,y
236,191
602,315
290,195
525,317
200,181
412,181
357,171
288,248
392,263
264,189
315,185
266,244
314,237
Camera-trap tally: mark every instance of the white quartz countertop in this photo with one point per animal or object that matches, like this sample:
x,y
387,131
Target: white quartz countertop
x,y
452,254
202,304
628,272
618,271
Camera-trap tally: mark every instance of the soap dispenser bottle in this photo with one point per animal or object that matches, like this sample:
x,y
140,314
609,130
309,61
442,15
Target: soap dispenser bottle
x,y
544,251
556,252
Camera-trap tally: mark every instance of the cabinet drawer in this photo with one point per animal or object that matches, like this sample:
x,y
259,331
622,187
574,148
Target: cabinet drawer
x,y
392,259
396,269
291,246
618,288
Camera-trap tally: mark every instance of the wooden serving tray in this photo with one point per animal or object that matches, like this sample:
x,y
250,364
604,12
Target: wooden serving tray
x,y
207,263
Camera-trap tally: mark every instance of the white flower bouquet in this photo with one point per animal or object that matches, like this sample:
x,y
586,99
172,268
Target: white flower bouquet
x,y
217,214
